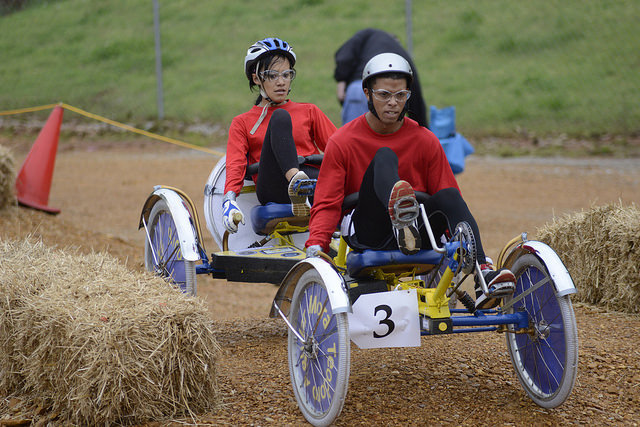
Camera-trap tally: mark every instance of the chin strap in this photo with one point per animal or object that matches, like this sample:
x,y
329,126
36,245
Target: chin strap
x,y
371,107
260,119
265,96
263,114
375,113
403,112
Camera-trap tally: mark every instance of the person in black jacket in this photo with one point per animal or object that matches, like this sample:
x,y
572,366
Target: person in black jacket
x,y
350,60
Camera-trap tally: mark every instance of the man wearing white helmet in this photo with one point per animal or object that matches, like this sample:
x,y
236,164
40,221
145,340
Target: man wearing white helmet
x,y
350,60
274,132
385,156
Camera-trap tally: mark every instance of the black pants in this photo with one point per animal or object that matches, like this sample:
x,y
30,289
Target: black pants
x,y
278,155
373,229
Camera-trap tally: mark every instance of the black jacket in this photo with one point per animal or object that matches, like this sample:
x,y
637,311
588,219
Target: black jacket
x,y
354,54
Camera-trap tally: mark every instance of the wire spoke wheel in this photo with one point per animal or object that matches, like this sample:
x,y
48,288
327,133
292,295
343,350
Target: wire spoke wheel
x,y
545,358
162,254
319,362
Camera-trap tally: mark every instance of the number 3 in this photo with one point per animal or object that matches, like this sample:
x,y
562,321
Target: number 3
x,y
386,321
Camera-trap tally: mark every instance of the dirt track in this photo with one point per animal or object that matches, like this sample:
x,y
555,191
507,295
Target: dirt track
x,y
450,380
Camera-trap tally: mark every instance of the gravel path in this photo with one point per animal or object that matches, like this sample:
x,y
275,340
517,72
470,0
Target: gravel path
x,y
449,380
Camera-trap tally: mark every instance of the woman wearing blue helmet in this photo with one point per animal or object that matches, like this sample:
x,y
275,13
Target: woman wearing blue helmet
x,y
275,131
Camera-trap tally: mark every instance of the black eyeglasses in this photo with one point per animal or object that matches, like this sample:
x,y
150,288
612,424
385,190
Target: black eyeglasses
x,y
273,75
385,95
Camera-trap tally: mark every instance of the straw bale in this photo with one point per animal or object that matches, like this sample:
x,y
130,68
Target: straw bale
x,y
101,344
7,178
601,249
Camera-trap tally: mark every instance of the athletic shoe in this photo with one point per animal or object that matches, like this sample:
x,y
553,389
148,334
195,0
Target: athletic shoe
x,y
500,283
403,211
300,187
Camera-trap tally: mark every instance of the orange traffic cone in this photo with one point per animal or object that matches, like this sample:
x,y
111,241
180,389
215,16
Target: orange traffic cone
x,y
34,179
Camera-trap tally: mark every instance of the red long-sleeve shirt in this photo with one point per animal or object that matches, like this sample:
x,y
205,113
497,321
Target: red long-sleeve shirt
x,y
311,131
421,162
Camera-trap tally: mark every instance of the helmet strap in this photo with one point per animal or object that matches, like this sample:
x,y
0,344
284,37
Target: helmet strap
x,y
404,111
375,113
265,96
371,107
262,92
263,114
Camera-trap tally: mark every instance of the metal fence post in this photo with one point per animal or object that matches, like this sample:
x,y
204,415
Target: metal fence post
x,y
156,27
409,20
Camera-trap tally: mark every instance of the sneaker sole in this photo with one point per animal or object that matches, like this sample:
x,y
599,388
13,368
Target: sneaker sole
x,y
405,229
402,191
409,240
299,204
484,303
499,293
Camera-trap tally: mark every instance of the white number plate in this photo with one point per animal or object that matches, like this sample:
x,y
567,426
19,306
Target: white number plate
x,y
385,319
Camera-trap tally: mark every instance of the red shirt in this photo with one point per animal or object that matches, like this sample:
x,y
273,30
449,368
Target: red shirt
x,y
311,131
421,162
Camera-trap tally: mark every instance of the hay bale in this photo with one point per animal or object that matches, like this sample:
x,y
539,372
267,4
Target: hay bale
x,y
100,344
7,178
601,249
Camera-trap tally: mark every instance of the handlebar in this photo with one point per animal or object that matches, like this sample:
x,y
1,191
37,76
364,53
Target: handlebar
x,y
236,218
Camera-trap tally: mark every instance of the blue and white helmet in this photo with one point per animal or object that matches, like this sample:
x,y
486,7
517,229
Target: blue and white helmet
x,y
262,47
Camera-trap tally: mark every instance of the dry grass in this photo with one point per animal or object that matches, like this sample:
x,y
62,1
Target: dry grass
x,y
98,344
7,178
601,249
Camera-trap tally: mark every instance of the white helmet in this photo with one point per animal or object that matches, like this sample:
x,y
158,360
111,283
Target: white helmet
x,y
386,63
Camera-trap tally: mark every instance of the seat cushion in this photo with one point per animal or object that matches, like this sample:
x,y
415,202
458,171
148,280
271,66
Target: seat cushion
x,y
264,218
361,263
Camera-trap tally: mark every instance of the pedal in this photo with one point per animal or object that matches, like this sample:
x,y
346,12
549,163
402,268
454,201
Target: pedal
x,y
500,290
305,187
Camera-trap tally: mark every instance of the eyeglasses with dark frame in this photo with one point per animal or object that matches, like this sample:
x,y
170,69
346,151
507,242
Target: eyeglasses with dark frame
x,y
273,75
385,95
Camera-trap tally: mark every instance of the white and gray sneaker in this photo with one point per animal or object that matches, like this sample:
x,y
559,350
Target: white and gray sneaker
x,y
500,284
403,211
300,187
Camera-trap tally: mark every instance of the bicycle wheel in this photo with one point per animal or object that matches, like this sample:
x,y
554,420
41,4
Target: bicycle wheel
x,y
162,254
319,363
546,358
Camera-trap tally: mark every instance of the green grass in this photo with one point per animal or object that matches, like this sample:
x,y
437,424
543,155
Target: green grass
x,y
555,66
